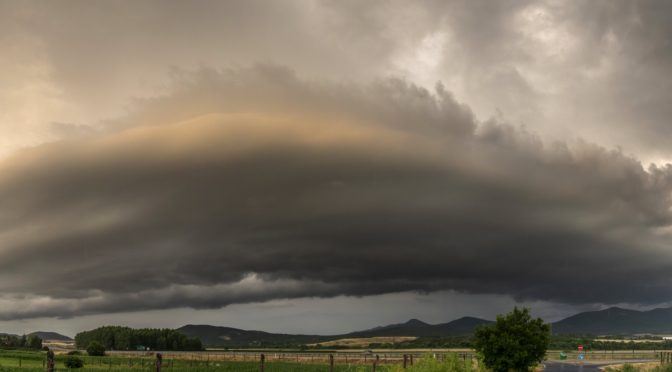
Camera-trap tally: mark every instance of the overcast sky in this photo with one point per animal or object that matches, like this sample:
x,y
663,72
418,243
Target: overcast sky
x,y
326,166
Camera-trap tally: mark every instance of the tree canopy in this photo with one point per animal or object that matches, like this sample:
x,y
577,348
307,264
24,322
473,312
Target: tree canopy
x,y
125,338
12,341
515,342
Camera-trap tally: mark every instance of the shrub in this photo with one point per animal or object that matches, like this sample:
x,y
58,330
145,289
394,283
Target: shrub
x,y
73,362
514,342
95,349
74,352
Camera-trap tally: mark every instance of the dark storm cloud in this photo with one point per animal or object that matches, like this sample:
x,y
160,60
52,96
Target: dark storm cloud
x,y
248,185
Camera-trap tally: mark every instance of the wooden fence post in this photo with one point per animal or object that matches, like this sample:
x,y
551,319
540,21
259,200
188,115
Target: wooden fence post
x,y
50,361
331,362
405,359
375,363
411,359
159,361
262,359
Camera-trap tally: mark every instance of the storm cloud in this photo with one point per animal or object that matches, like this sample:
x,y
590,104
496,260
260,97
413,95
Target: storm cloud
x,y
247,185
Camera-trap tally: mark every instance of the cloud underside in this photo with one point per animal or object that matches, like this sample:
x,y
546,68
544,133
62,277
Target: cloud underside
x,y
245,186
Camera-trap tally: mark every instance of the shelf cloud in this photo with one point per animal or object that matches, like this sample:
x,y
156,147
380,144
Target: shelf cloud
x,y
251,184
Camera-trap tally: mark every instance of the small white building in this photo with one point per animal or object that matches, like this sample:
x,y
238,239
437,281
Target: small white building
x,y
667,337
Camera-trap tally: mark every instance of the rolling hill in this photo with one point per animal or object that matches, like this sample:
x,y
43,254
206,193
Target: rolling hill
x,y
50,336
611,321
460,327
616,321
226,336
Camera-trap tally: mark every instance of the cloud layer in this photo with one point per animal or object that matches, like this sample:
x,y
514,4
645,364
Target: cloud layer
x,y
248,185
599,69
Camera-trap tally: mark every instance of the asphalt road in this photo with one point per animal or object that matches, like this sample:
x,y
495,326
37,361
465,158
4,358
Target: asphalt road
x,y
571,367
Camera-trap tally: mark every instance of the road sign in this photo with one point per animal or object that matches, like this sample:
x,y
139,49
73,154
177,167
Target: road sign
x,y
580,347
581,356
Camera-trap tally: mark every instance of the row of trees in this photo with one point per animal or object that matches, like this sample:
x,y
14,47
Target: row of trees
x,y
16,342
125,338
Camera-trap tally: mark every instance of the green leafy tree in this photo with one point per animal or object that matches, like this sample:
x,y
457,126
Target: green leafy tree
x,y
34,342
515,342
124,338
95,348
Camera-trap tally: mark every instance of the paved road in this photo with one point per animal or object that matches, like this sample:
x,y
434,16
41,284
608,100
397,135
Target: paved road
x,y
588,366
571,367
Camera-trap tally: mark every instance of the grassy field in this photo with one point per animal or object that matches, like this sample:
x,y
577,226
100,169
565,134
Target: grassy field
x,y
28,361
33,361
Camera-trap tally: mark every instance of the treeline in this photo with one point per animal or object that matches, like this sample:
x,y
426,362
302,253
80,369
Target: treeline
x,y
23,342
125,338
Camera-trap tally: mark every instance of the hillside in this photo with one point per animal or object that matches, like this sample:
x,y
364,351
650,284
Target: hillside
x,y
226,336
615,320
611,321
51,336
459,327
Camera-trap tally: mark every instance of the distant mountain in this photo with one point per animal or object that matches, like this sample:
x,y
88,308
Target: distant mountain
x,y
616,321
412,327
611,321
226,336
460,327
51,336
230,337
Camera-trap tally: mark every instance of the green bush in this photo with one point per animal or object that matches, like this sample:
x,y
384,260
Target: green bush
x,y
74,352
73,362
95,349
515,342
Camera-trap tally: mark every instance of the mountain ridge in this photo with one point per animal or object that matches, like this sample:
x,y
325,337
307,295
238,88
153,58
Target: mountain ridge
x,y
610,321
228,336
50,336
615,320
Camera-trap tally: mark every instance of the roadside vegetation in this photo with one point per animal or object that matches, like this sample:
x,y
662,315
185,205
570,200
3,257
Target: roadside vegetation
x,y
515,342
